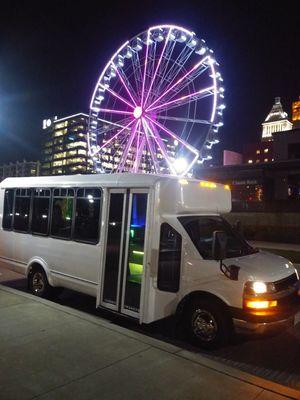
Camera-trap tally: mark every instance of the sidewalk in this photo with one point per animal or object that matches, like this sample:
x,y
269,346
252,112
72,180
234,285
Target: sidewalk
x,y
49,351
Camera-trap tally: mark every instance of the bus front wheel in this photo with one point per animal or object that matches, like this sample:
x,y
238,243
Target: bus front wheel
x,y
208,324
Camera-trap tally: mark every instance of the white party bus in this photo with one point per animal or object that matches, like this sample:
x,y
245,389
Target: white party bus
x,y
148,247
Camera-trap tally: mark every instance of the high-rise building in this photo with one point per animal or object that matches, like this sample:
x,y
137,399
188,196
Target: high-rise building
x,y
296,113
65,149
276,121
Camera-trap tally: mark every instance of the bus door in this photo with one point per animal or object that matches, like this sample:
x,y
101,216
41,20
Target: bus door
x,y
124,250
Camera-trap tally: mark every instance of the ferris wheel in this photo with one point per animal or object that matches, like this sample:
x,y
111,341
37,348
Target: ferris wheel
x,y
157,106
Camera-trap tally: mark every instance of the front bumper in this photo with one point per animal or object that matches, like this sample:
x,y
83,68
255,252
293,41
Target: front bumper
x,y
274,321
260,328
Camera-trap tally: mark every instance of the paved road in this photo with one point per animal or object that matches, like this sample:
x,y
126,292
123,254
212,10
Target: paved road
x,y
274,358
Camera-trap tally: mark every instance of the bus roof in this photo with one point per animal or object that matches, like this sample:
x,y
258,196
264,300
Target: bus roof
x,y
124,180
175,195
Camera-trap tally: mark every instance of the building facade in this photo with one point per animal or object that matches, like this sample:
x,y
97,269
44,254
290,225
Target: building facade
x,y
65,149
296,113
276,121
19,169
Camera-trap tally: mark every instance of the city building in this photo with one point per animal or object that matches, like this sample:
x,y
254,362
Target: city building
x,y
19,169
268,179
296,113
276,121
65,149
261,152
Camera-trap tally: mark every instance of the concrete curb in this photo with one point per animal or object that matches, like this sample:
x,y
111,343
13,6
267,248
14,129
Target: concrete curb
x,y
170,348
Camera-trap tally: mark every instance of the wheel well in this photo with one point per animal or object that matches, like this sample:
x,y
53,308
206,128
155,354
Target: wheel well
x,y
188,299
35,267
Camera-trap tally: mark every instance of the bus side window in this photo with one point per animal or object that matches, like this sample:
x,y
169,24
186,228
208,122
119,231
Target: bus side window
x,y
62,213
22,210
88,204
169,260
41,209
8,208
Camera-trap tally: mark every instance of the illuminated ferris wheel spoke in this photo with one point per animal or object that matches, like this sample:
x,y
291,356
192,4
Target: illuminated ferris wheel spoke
x,y
185,83
158,65
115,136
182,100
117,96
145,67
188,120
112,125
127,148
185,76
154,133
124,84
112,111
159,87
173,135
150,146
139,153
174,71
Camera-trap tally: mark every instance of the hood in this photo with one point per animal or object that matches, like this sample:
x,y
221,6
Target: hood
x,y
263,266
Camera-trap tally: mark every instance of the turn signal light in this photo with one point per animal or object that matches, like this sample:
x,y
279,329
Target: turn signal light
x,y
260,304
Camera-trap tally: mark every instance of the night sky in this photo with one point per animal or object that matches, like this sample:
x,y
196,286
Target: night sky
x,y
51,56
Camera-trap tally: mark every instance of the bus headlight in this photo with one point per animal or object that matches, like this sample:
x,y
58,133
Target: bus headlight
x,y
257,287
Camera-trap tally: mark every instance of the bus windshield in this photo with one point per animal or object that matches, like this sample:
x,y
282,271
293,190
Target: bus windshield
x,y
201,228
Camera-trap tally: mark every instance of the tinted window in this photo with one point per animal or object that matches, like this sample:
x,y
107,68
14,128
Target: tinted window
x,y
201,229
88,204
22,210
62,213
41,209
113,247
8,208
169,259
135,264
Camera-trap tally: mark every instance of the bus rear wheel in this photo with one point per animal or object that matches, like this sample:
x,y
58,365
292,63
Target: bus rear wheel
x,y
39,285
208,324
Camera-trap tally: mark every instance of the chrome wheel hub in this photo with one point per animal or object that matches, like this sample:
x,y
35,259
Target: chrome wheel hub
x,y
204,325
38,283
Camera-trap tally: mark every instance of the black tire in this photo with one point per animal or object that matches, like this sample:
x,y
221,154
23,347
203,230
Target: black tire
x,y
39,285
208,323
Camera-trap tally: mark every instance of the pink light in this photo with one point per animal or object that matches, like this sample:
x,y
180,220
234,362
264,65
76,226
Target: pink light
x,y
138,111
215,91
104,70
177,82
150,148
125,86
116,95
158,64
115,136
145,69
114,111
183,142
181,98
139,154
127,148
161,145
